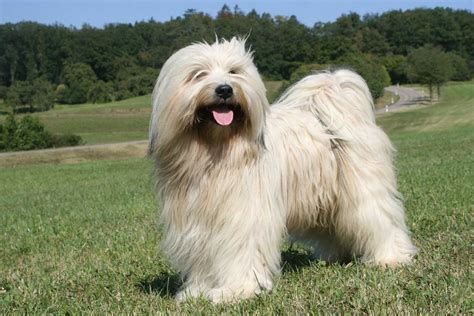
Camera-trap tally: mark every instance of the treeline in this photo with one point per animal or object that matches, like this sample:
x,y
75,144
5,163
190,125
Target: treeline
x,y
44,64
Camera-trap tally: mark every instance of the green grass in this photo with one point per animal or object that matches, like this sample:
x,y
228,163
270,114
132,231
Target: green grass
x,y
83,238
273,90
125,120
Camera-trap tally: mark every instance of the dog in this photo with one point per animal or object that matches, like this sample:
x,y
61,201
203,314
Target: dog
x,y
236,176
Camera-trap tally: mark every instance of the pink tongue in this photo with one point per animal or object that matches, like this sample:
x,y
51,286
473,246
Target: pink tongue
x,y
223,118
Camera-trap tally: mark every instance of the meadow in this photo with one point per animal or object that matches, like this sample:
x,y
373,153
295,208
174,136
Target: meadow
x,y
84,238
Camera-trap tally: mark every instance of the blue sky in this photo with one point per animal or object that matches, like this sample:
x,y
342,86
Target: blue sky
x,y
99,12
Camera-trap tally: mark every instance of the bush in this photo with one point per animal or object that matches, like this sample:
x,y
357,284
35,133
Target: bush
x,y
460,68
2,140
29,133
137,84
67,140
122,94
30,96
100,92
8,131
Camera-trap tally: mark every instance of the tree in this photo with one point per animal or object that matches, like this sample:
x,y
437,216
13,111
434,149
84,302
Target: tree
x,y
76,58
18,95
430,66
43,95
370,68
460,68
30,96
100,92
396,66
78,79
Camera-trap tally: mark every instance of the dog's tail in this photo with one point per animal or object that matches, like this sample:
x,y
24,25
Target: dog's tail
x,y
340,100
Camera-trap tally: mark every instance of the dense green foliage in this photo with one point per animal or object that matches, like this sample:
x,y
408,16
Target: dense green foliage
x,y
29,133
35,95
123,60
83,238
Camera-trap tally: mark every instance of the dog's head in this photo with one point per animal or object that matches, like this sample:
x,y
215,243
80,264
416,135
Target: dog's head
x,y
213,91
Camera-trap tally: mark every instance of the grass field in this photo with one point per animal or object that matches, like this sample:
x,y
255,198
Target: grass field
x,y
83,238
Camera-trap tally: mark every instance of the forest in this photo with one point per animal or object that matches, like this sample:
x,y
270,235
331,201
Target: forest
x,y
42,65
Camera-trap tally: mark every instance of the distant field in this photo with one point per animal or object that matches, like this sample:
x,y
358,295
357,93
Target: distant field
x,y
83,238
120,121
445,114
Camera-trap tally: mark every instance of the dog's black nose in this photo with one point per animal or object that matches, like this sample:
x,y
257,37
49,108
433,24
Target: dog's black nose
x,y
224,91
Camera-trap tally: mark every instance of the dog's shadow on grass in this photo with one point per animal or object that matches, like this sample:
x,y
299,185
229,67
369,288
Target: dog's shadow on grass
x,y
166,285
292,260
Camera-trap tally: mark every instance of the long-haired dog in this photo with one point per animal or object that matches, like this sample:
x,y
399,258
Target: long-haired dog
x,y
235,176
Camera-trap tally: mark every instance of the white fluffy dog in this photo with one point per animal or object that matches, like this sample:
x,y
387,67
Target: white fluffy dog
x,y
235,176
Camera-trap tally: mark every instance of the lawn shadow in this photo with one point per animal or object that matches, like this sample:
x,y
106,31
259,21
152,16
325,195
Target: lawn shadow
x,y
292,260
166,285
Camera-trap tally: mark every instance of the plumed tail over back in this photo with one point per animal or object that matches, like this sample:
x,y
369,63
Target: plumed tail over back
x,y
341,101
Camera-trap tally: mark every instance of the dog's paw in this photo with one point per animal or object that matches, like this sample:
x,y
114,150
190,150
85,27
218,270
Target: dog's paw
x,y
401,252
226,295
394,261
217,295
188,292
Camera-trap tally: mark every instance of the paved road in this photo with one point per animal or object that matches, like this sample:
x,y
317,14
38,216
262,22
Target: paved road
x,y
408,97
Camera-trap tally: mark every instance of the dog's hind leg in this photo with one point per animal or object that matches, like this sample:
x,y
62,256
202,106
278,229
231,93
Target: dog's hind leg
x,y
371,218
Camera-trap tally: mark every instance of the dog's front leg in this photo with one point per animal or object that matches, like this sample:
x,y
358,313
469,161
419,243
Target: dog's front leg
x,y
235,255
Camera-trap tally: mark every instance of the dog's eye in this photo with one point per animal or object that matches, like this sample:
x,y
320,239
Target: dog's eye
x,y
200,74
233,71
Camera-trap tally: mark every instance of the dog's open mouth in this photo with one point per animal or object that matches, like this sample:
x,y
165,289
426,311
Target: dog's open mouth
x,y
223,114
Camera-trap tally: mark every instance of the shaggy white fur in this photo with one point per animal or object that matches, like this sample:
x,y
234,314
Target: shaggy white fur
x,y
236,176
